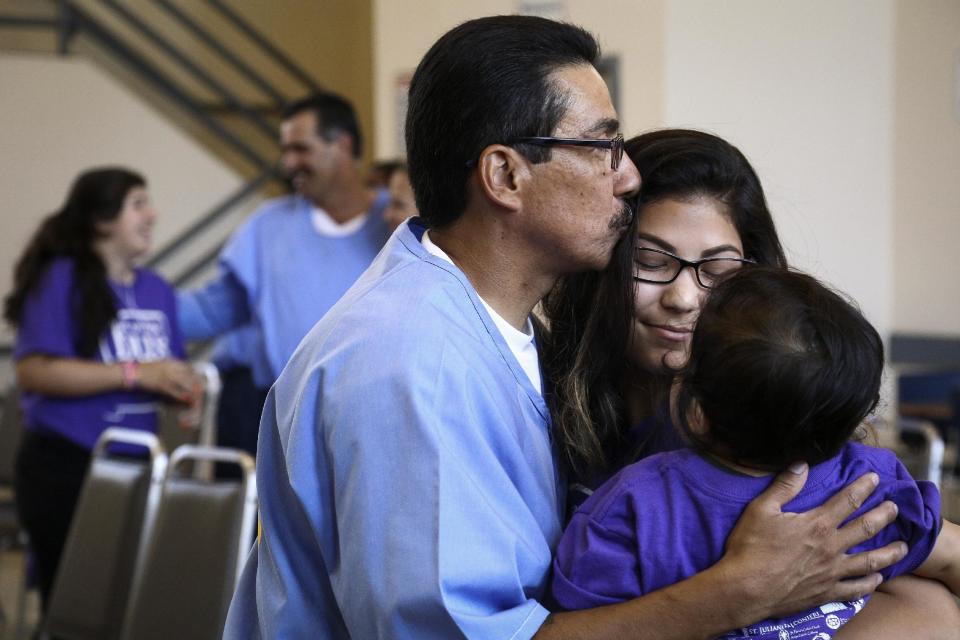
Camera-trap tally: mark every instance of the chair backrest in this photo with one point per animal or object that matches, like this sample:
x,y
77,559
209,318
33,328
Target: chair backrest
x,y
93,580
927,463
193,551
172,435
11,429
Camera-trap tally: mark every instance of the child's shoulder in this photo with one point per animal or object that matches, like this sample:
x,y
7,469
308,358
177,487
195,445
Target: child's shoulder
x,y
860,456
639,481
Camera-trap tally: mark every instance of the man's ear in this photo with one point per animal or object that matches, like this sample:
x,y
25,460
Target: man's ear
x,y
344,142
501,174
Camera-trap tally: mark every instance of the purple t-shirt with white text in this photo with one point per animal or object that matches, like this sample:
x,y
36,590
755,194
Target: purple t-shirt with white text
x,y
667,517
144,330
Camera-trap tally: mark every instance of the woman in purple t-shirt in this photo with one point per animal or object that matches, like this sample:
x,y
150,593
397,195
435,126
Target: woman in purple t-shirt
x,y
97,346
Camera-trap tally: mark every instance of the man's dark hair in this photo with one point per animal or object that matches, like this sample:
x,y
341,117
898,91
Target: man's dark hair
x,y
484,82
783,368
334,114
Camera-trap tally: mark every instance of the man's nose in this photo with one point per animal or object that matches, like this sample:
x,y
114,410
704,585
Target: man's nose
x,y
628,178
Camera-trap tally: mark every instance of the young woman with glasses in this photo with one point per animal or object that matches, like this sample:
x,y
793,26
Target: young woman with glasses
x,y
701,213
780,368
615,336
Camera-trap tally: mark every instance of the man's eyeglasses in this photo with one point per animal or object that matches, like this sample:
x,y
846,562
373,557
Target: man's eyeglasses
x,y
662,267
614,144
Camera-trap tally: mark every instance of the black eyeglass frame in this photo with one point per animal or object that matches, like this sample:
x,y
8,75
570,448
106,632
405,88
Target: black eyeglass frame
x,y
693,264
614,144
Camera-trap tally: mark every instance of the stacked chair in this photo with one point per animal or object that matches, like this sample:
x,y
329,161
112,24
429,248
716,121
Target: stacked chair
x,y
156,543
194,550
118,502
204,432
11,535
921,449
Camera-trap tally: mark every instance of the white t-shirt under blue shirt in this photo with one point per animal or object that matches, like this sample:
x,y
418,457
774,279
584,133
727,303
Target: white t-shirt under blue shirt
x,y
281,271
521,343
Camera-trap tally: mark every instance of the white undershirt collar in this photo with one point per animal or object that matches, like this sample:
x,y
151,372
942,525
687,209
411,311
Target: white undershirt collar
x,y
327,226
521,343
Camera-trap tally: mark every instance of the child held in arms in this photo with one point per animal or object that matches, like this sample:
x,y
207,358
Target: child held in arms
x,y
781,369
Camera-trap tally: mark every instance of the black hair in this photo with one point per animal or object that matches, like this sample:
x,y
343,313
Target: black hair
x,y
783,368
487,81
334,114
96,196
591,314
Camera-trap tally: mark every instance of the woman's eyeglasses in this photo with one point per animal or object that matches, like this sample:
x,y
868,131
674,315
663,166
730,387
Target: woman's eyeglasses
x,y
661,267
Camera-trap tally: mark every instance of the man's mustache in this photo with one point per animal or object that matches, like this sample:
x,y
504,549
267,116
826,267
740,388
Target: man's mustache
x,y
624,217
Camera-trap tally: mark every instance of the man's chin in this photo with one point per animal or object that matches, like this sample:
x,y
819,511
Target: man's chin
x,y
298,182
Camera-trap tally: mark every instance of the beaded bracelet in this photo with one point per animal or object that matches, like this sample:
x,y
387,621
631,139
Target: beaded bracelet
x,y
130,370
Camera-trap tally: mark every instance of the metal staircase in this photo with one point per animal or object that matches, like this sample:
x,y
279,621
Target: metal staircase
x,y
210,69
200,63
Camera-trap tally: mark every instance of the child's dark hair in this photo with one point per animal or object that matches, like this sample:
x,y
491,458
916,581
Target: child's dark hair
x,y
783,369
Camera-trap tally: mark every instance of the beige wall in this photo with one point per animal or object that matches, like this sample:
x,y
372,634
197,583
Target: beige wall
x,y
330,40
846,107
926,185
805,89
61,116
628,29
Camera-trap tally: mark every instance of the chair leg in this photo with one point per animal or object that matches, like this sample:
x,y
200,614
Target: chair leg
x,y
21,628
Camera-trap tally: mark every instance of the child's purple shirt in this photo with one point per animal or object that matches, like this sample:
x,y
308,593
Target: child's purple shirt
x,y
667,517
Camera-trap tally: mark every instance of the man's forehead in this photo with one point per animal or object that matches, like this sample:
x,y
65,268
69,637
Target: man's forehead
x,y
300,123
299,126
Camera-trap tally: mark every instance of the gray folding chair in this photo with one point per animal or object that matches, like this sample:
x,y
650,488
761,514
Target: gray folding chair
x,y
11,429
917,443
172,435
193,550
11,534
119,498
924,459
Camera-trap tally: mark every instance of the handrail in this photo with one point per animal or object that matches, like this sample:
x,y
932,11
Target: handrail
x,y
262,125
72,19
26,22
265,45
130,57
65,26
212,216
197,266
221,50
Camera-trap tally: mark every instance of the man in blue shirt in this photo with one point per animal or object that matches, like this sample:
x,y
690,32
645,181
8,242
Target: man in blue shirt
x,y
406,472
287,265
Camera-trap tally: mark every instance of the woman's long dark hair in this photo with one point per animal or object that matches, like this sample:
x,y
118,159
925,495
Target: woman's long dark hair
x,y
585,355
96,196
